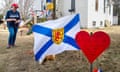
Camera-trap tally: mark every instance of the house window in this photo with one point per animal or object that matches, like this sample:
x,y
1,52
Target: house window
x,y
115,10
101,23
104,5
73,5
94,23
96,5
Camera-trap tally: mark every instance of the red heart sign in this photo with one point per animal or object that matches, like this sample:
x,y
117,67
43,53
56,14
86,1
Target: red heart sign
x,y
92,45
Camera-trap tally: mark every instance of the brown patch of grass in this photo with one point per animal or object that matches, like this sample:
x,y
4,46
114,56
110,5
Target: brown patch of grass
x,y
17,60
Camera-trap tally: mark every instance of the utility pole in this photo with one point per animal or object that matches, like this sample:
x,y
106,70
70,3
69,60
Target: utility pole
x,y
54,9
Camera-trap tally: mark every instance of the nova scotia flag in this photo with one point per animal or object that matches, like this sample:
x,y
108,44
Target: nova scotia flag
x,y
55,36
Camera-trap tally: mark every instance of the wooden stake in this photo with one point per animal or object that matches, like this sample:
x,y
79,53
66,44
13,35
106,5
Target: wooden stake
x,y
54,9
91,67
91,64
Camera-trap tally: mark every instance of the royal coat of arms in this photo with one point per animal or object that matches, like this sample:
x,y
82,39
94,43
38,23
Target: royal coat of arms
x,y
58,35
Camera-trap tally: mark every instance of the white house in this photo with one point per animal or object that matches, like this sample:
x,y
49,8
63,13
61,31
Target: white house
x,y
94,13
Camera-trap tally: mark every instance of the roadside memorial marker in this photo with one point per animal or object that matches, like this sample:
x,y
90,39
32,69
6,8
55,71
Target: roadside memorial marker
x,y
92,45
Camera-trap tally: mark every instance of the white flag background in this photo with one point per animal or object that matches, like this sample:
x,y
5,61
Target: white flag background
x,y
43,43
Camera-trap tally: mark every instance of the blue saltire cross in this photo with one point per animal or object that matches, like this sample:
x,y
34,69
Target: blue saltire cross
x,y
48,32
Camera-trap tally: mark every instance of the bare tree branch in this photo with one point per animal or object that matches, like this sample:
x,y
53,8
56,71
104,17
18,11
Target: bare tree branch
x,y
7,5
24,8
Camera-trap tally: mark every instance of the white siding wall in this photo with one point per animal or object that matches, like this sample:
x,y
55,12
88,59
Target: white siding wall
x,y
94,15
66,5
99,15
81,7
111,15
115,20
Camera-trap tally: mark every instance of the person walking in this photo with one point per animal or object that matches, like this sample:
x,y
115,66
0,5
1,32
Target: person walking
x,y
13,19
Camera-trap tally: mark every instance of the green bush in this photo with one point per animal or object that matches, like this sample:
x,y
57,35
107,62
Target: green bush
x,y
1,16
29,25
41,20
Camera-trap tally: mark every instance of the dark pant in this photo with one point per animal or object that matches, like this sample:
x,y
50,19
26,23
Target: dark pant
x,y
12,34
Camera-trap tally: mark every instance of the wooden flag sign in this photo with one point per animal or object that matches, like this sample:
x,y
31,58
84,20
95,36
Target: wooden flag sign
x,y
92,45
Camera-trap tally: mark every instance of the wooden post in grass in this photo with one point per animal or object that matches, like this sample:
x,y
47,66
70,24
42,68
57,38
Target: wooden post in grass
x,y
91,64
35,19
54,9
